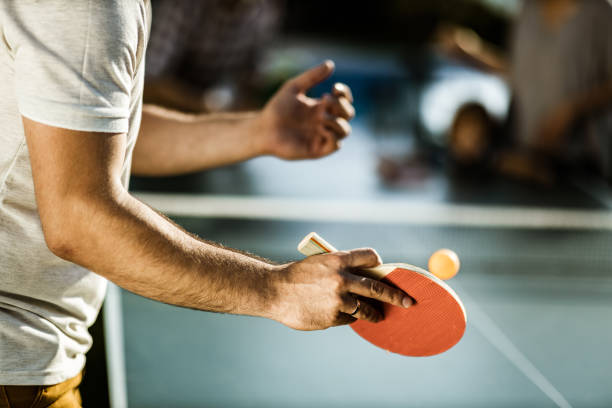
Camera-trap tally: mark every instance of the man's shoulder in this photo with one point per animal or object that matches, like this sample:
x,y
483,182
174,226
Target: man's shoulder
x,y
102,20
76,63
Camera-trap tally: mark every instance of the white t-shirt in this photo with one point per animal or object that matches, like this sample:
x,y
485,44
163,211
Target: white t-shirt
x,y
77,65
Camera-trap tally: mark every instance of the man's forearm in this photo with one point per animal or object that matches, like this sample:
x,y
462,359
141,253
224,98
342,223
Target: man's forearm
x,y
136,248
173,143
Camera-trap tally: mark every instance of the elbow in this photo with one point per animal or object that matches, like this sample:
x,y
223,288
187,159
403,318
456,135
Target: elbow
x,y
66,226
61,242
73,226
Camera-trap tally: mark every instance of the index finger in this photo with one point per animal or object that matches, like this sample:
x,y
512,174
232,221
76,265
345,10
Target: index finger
x,y
341,89
374,289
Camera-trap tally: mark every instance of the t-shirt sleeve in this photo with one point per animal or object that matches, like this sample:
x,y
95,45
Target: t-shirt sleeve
x,y
75,63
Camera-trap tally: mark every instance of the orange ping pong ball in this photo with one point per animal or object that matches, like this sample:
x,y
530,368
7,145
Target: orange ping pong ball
x,y
444,263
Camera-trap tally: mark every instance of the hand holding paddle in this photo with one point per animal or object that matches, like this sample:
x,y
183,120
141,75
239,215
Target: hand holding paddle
x,y
436,321
320,292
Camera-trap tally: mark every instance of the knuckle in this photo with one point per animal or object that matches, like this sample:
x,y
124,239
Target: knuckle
x,y
351,112
341,87
337,282
365,311
334,263
368,313
337,261
346,104
372,254
343,129
397,297
344,257
377,289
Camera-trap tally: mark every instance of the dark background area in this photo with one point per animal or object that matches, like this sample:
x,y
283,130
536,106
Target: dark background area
x,y
391,22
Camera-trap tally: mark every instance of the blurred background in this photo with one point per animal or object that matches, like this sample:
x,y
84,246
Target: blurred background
x,y
482,126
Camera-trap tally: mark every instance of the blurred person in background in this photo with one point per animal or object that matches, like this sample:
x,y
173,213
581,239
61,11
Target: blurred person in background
x,y
204,55
560,73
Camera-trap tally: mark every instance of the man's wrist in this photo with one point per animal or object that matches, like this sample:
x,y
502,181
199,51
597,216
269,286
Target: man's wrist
x,y
275,307
262,130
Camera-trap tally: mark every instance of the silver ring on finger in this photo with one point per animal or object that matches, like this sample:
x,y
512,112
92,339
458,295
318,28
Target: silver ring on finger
x,y
356,307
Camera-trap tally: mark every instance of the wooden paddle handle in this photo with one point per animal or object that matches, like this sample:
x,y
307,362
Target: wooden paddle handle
x,y
314,244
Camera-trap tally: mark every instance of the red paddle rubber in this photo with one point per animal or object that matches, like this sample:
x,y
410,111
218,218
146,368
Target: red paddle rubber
x,y
435,323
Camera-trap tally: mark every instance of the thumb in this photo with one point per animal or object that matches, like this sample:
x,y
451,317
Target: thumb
x,y
361,258
313,76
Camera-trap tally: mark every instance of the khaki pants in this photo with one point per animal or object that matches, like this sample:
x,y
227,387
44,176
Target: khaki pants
x,y
62,395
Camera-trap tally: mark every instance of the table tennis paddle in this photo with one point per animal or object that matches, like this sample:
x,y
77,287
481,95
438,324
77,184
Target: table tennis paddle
x,y
432,325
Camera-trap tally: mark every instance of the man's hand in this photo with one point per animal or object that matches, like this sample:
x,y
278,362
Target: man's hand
x,y
295,126
291,126
320,291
